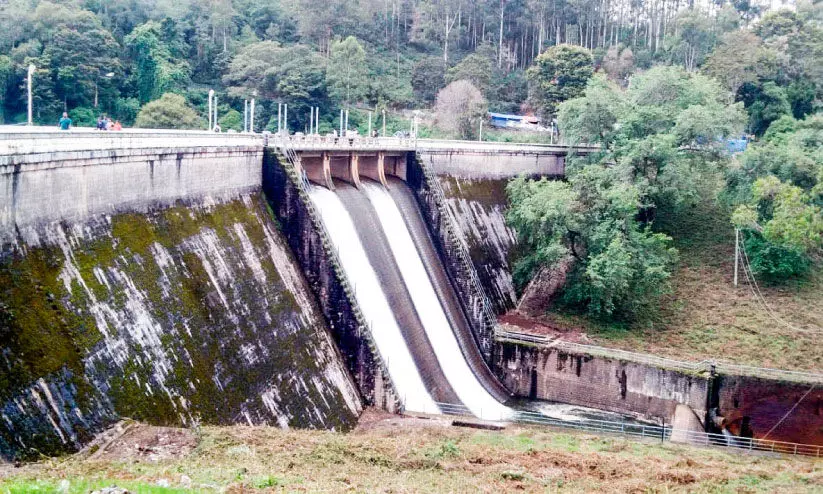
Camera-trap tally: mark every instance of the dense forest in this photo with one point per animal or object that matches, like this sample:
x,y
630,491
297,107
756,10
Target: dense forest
x,y
659,84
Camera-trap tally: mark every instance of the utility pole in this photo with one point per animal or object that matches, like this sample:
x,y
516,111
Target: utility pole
x,y
736,252
317,120
279,118
480,136
286,118
341,122
245,115
32,68
347,122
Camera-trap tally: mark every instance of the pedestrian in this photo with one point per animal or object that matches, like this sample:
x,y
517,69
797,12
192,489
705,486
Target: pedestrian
x,y
101,123
109,124
217,128
65,122
117,125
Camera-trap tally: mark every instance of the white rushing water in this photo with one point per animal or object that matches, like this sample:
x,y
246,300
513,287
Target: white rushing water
x,y
462,379
373,302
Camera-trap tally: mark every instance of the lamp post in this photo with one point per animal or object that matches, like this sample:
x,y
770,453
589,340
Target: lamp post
x,y
211,97
251,116
32,68
96,81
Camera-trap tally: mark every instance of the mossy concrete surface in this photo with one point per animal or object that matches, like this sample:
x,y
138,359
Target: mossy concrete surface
x,y
193,313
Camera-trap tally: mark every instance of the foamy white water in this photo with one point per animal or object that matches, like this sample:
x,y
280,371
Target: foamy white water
x,y
373,302
462,379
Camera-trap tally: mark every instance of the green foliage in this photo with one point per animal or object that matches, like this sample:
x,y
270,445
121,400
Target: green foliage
x,y
126,109
774,263
231,119
157,70
346,71
83,117
169,112
559,74
428,77
476,68
620,268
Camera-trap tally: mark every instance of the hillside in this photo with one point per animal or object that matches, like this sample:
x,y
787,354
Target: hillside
x,y
394,454
706,317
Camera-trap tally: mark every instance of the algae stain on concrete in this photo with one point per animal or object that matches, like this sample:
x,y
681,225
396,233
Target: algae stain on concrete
x,y
190,313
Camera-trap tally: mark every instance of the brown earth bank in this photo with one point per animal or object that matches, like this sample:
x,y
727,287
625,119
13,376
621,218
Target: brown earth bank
x,y
391,453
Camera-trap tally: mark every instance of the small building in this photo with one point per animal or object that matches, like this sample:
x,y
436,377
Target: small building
x,y
505,120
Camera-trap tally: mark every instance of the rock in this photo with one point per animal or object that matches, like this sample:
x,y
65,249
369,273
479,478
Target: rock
x,y
542,290
163,483
185,481
111,490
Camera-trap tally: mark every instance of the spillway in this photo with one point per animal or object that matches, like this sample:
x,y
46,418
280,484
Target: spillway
x,y
373,301
429,308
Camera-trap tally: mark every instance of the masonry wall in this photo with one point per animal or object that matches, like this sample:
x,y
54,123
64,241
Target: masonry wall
x,y
599,382
494,164
76,185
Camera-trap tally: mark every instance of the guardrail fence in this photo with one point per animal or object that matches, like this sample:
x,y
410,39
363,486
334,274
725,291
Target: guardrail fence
x,y
652,432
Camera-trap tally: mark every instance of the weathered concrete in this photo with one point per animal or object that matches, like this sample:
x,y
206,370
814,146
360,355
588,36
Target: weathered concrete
x,y
599,382
73,176
194,313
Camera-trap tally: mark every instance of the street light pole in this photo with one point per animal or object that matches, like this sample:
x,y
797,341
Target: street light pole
x,y
211,97
245,115
251,116
32,68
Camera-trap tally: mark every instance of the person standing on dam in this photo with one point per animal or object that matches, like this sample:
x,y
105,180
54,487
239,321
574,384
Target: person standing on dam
x,y
65,122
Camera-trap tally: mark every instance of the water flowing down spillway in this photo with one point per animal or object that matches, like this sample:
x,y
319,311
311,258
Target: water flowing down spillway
x,y
373,302
430,310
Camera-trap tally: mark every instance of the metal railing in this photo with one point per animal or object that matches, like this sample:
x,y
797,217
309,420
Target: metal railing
x,y
316,142
652,432
456,238
668,363
303,185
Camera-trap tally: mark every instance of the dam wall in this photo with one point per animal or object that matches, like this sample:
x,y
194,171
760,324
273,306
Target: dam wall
x,y
780,406
305,235
73,176
168,296
612,384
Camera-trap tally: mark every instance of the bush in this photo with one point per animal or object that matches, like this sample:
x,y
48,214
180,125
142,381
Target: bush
x,y
168,112
83,117
774,263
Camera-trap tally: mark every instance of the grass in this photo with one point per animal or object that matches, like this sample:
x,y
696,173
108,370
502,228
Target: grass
x,y
706,317
410,455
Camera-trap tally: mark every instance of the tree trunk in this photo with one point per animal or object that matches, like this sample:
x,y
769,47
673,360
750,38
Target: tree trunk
x,y
500,38
543,289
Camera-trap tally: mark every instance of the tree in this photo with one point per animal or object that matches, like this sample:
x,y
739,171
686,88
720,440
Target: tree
x,y
619,63
558,74
614,266
692,40
157,70
347,71
765,103
475,68
169,112
428,77
740,58
459,109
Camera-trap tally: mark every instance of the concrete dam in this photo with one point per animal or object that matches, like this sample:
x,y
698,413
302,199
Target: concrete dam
x,y
182,278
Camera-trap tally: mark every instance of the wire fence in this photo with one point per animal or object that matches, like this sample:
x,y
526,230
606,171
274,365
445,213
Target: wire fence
x,y
707,366
651,432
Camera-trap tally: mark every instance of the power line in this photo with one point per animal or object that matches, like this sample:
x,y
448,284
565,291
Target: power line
x,y
789,412
758,295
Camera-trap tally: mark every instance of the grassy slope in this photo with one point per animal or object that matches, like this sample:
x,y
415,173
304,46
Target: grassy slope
x,y
707,318
403,455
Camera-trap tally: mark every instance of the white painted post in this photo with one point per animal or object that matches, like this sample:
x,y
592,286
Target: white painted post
x,y
480,136
211,98
317,120
736,252
311,121
286,118
251,116
347,122
245,115
32,68
215,112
